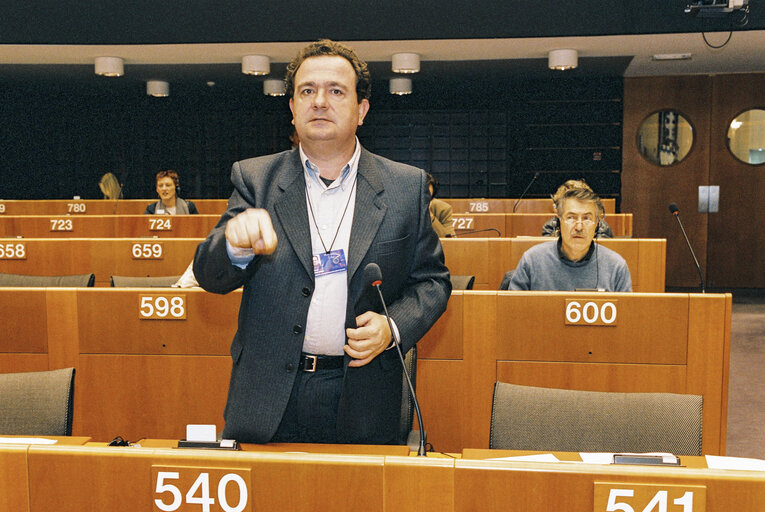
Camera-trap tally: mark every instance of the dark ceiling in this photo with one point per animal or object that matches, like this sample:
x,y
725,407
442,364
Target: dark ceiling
x,y
228,21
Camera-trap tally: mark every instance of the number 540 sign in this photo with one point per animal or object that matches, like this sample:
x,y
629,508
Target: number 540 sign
x,y
187,489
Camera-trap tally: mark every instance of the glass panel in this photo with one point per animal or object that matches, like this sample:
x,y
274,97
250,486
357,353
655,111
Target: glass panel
x,y
665,137
746,136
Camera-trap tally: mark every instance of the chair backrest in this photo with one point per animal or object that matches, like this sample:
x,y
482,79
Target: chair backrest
x,y
143,282
407,404
505,284
22,280
532,418
462,282
37,403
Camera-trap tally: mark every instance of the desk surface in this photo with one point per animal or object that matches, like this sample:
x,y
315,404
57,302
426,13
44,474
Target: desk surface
x,y
125,479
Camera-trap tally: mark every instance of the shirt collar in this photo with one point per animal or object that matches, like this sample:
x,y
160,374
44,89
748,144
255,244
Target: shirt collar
x,y
312,172
582,262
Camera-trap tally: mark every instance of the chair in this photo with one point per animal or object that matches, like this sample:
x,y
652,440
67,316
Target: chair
x,y
22,280
406,434
462,282
505,284
37,403
532,418
143,282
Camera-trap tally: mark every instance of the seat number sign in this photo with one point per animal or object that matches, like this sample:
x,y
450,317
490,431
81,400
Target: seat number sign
x,y
161,307
596,312
160,224
626,497
197,489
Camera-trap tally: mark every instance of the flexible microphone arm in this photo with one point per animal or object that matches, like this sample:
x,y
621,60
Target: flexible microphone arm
x,y
499,234
676,212
116,202
373,275
536,175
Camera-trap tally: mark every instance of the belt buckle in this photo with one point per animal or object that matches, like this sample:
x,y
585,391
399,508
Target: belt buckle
x,y
311,358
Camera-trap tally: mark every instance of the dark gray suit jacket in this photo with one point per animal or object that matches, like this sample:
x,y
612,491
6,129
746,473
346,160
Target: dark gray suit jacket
x,y
391,227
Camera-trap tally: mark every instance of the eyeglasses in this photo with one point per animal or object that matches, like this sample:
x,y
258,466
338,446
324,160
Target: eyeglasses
x,y
586,221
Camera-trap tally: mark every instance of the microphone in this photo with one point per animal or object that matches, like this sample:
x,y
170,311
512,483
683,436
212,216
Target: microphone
x,y
499,234
119,196
373,275
676,212
533,179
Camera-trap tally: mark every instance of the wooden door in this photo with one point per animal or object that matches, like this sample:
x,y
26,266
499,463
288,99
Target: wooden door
x,y
736,242
648,189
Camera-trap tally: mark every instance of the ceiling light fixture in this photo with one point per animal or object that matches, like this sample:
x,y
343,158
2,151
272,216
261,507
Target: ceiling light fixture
x,y
256,65
562,59
110,66
405,63
274,87
400,86
158,88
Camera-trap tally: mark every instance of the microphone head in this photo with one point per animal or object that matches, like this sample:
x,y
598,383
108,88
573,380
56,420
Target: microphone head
x,y
536,175
673,208
373,274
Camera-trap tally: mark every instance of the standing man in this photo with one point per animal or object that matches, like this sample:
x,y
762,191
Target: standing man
x,y
574,261
311,358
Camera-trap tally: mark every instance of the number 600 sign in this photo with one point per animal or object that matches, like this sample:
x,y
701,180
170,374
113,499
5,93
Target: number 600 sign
x,y
590,312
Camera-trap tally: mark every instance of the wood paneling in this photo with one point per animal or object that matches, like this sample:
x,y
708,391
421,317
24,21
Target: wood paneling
x,y
107,226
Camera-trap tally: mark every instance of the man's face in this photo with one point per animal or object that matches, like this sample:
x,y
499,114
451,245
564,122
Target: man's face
x,y
578,223
166,188
324,104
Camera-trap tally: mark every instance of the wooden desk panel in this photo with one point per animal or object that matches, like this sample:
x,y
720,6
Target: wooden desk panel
x,y
650,329
103,257
139,396
14,487
444,339
522,224
97,206
487,486
208,329
24,321
106,226
645,258
489,224
526,205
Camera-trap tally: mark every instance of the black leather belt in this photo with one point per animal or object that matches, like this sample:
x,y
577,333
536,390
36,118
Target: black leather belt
x,y
311,363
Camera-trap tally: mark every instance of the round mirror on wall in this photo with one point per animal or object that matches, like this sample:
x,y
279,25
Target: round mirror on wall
x,y
746,136
665,137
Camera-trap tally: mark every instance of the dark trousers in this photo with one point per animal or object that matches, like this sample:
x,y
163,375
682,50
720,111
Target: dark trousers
x,y
311,415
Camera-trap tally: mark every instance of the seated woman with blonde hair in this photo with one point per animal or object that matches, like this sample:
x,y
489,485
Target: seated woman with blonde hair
x,y
169,203
110,186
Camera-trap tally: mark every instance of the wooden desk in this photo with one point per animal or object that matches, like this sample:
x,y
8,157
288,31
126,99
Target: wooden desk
x,y
522,224
106,226
528,205
103,257
125,479
560,486
97,206
677,343
149,378
489,258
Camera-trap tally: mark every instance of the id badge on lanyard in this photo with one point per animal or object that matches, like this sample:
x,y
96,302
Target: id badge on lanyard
x,y
331,262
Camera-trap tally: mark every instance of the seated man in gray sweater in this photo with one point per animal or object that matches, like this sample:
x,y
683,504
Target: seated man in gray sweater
x,y
574,261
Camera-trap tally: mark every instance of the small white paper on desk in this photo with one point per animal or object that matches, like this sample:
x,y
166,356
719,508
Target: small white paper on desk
x,y
540,457
201,433
26,440
741,463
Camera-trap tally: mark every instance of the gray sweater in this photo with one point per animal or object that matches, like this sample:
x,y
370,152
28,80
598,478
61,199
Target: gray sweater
x,y
545,267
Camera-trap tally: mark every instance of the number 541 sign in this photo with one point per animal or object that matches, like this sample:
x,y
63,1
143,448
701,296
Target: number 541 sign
x,y
613,497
